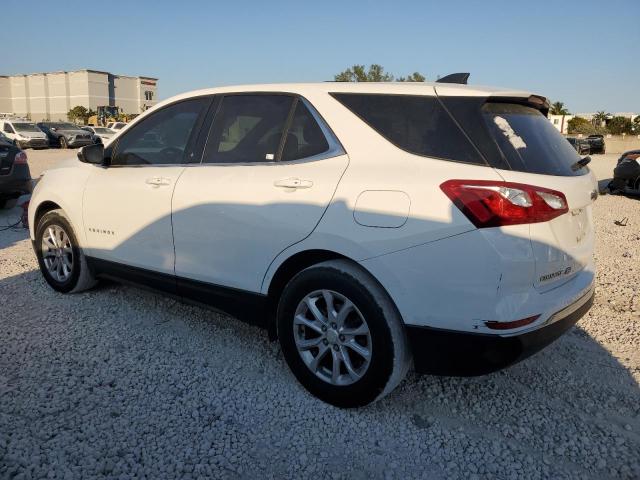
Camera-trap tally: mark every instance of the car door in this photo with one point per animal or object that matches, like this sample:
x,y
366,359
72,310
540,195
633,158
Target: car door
x,y
127,205
9,131
269,170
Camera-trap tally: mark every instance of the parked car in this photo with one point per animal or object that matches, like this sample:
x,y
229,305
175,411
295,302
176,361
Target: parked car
x,y
23,133
626,174
15,177
596,144
65,135
368,227
581,146
115,126
99,134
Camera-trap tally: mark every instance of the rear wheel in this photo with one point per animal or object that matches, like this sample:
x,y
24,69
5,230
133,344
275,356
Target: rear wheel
x,y
341,334
61,259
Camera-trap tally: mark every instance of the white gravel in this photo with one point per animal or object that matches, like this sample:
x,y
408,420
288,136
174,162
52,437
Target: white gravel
x,y
121,383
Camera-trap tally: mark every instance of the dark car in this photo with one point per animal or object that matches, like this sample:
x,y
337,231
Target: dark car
x,y
581,145
596,143
626,174
65,135
15,177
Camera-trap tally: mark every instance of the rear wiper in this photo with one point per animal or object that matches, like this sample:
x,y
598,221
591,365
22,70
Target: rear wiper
x,y
583,162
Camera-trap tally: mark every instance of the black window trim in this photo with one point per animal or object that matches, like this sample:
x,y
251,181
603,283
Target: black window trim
x,y
192,144
335,147
433,157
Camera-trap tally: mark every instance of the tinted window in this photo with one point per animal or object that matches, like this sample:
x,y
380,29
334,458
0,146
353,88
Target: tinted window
x,y
8,129
162,137
304,137
528,140
417,124
247,128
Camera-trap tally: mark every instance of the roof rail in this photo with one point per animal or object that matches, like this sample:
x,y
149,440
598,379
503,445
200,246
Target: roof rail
x,y
455,78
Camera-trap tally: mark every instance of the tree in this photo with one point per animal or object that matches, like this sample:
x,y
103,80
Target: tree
x,y
620,125
580,125
599,118
414,77
375,73
80,114
636,125
558,108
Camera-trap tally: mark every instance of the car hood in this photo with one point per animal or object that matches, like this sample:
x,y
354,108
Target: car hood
x,y
32,134
73,132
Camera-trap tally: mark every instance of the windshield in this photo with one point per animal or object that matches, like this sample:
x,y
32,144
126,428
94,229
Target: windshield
x,y
529,141
102,130
63,126
117,126
25,127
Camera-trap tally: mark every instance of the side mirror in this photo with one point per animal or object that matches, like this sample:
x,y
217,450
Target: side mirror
x,y
93,154
53,129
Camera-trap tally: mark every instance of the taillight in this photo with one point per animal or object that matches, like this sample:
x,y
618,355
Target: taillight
x,y
495,204
20,158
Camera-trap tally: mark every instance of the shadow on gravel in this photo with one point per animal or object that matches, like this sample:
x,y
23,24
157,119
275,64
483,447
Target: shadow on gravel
x,y
118,380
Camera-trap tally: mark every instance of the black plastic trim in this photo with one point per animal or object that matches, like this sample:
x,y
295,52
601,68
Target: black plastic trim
x,y
453,353
250,307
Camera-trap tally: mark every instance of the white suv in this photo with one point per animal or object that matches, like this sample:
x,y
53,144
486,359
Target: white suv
x,y
368,227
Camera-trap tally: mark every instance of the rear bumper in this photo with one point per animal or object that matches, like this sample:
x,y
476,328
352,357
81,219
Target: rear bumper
x,y
455,353
16,183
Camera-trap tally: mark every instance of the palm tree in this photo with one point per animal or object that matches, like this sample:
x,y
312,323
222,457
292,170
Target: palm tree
x,y
599,118
558,108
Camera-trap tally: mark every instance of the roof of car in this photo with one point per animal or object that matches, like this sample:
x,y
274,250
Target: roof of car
x,y
395,88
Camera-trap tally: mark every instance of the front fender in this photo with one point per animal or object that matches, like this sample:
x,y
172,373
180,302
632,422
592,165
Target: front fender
x,y
64,187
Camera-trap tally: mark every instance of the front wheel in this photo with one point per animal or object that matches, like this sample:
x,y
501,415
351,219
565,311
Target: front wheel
x,y
341,334
62,262
64,143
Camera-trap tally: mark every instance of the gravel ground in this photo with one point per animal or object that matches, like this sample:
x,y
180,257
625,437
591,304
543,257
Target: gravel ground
x,y
121,383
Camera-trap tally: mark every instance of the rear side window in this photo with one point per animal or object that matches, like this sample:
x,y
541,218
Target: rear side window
x,y
529,141
304,137
248,128
416,124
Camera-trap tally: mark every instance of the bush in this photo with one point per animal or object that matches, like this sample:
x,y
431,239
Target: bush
x,y
620,125
581,125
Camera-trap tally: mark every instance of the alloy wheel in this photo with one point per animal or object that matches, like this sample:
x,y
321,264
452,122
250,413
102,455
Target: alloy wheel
x,y
332,337
57,253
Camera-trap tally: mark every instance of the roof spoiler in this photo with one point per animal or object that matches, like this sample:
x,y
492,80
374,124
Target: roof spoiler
x,y
455,78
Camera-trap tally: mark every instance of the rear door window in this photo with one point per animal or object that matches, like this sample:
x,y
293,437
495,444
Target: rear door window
x,y
304,137
528,140
415,123
248,129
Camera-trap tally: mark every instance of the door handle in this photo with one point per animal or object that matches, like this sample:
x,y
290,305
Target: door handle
x,y
293,183
158,181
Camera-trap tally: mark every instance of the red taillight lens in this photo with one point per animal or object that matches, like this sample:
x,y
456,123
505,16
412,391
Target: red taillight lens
x,y
495,204
20,159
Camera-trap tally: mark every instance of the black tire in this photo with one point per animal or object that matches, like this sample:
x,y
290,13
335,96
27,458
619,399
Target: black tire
x,y
80,278
63,143
19,145
390,356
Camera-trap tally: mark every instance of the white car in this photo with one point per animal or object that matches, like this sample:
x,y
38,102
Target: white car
x,y
24,133
368,227
115,126
100,134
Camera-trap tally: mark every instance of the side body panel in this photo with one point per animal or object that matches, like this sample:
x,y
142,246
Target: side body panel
x,y
127,215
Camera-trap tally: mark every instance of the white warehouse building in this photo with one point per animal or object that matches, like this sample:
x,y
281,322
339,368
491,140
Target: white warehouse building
x,y
49,96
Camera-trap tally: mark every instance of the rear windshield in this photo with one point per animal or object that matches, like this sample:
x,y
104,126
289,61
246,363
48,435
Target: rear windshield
x,y
416,124
528,140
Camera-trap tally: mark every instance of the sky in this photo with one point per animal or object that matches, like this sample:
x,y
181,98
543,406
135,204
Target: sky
x,y
583,53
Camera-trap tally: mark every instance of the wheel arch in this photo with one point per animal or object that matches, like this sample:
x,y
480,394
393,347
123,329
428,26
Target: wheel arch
x,y
292,266
42,208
